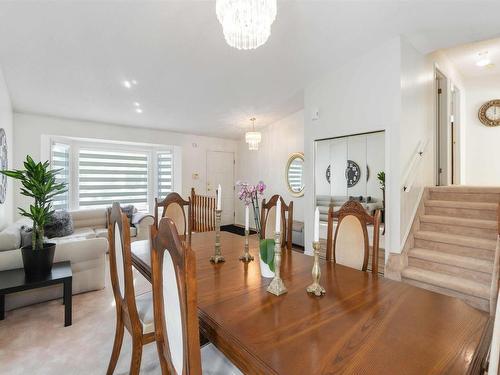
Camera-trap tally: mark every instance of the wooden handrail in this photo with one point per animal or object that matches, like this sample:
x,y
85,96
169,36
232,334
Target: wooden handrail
x,y
409,178
202,212
495,277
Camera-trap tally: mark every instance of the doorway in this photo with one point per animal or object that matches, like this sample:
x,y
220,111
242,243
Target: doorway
x,y
220,170
455,135
443,132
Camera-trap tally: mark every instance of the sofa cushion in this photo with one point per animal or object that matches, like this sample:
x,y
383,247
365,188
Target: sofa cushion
x,y
60,225
78,234
103,232
297,226
10,238
93,218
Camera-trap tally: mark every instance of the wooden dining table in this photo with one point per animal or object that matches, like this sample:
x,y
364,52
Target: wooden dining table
x,y
365,324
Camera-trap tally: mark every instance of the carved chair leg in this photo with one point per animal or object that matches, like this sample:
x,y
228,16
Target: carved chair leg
x,y
163,362
135,360
117,346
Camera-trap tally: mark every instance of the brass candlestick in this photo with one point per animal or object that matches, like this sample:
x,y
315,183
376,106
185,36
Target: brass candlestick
x,y
217,257
315,288
246,257
277,287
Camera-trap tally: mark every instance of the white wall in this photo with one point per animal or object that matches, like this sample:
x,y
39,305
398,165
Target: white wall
x,y
30,128
7,208
360,97
416,125
483,143
279,140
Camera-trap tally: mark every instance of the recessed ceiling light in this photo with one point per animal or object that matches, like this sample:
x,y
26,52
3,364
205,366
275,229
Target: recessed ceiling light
x,y
134,82
483,59
127,84
137,104
138,110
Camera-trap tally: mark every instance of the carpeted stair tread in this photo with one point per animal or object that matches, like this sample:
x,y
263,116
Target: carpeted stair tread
x,y
466,189
459,284
462,205
459,221
457,240
470,263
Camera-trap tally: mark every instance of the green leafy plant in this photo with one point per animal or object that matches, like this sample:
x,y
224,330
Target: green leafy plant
x,y
381,179
38,182
267,252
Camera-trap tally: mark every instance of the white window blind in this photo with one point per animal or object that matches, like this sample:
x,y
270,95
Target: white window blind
x,y
60,160
165,173
105,177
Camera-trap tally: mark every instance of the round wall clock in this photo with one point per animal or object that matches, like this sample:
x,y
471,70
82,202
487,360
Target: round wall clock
x,y
489,113
352,173
328,174
3,165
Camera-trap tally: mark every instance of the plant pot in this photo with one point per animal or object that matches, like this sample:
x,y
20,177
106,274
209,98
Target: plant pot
x,y
38,263
265,271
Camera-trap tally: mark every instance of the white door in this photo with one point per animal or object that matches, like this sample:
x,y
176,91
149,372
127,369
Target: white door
x,y
220,170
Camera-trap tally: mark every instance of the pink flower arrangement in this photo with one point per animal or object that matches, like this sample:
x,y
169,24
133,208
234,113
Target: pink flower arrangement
x,y
249,195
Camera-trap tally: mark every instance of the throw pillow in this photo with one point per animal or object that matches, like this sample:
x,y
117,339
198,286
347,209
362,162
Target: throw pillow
x,y
61,225
128,210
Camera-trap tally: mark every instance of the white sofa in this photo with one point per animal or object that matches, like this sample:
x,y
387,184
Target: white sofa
x,y
86,249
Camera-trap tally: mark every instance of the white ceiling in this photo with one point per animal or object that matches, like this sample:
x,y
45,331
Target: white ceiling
x,y
68,58
465,57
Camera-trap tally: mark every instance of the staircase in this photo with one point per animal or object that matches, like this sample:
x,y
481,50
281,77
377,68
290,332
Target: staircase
x,y
453,241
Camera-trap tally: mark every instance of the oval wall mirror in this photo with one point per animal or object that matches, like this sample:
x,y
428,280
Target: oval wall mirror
x,y
295,174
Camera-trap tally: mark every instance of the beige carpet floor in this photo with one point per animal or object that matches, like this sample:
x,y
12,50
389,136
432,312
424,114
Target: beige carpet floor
x,y
33,340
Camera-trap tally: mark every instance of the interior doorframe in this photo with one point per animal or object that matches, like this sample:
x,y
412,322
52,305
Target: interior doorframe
x,y
233,181
442,129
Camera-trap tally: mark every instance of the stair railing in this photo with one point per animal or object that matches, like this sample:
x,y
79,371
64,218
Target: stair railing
x,y
495,277
411,173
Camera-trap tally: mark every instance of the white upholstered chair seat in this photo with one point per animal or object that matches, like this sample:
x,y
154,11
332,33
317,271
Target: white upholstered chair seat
x,y
213,362
144,303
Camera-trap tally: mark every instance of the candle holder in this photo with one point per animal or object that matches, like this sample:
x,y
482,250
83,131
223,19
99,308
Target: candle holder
x,y
246,257
217,257
315,288
277,287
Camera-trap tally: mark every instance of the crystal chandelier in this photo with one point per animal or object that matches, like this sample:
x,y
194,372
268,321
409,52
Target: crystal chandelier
x,y
253,138
246,24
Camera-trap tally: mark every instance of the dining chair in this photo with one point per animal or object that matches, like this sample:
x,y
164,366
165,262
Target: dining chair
x,y
174,207
175,308
203,212
350,245
133,313
268,216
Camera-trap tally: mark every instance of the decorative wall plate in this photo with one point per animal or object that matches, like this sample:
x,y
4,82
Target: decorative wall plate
x,y
328,174
3,165
489,113
352,173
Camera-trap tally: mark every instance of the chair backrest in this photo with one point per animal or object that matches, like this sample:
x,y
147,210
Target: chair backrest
x,y
120,264
175,301
203,212
268,217
175,208
350,245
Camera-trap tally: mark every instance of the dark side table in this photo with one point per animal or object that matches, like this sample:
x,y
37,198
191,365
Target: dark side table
x,y
12,281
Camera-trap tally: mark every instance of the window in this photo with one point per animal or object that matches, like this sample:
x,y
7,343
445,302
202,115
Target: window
x,y
105,177
99,173
165,173
60,160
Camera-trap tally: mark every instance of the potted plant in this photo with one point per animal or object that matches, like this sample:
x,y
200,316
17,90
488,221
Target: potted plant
x,y
39,183
249,194
267,257
381,180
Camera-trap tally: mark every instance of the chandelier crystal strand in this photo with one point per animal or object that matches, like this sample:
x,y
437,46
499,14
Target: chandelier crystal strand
x,y
246,24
